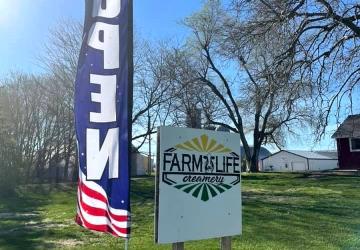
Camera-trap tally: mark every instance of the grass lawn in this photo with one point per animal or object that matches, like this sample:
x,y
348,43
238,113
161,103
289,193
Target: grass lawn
x,y
280,211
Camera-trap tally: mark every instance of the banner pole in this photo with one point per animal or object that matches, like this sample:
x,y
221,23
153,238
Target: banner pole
x,y
130,48
127,244
130,76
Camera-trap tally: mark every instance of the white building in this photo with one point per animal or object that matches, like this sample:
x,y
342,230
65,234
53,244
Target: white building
x,y
298,161
140,164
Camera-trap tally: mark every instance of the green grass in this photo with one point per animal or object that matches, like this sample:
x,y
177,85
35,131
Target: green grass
x,y
280,211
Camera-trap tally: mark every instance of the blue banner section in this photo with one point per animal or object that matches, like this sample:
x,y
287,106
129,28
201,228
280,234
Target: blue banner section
x,y
102,118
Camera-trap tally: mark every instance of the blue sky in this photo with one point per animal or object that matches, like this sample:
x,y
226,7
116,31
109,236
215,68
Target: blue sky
x,y
24,26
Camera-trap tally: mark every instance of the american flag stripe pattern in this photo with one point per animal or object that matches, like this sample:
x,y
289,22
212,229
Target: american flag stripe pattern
x,y
95,213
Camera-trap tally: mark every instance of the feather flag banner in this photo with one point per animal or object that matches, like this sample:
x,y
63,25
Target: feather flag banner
x,y
102,118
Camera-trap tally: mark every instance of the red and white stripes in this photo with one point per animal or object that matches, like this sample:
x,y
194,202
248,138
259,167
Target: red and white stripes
x,y
95,213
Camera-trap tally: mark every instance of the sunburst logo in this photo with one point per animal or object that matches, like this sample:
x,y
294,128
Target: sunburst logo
x,y
203,144
204,191
201,167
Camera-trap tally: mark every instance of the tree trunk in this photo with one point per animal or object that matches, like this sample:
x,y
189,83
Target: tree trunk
x,y
255,158
66,166
248,165
39,171
252,161
75,175
57,173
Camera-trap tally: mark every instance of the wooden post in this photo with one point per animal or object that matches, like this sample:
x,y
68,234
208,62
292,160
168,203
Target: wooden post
x,y
225,243
178,246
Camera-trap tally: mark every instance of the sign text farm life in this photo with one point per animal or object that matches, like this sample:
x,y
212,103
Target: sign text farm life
x,y
198,192
102,96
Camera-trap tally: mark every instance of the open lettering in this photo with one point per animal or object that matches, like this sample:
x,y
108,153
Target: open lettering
x,y
105,38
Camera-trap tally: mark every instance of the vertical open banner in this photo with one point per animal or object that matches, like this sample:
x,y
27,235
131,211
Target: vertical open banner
x,y
102,117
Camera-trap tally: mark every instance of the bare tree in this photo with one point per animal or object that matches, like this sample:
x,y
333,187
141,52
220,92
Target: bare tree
x,y
255,90
30,123
150,90
191,100
60,60
324,40
10,174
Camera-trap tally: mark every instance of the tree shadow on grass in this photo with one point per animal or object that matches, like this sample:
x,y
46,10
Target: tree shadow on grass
x,y
258,177
143,189
21,222
25,239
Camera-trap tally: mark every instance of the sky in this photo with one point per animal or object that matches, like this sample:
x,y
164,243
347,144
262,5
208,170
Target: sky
x,y
25,25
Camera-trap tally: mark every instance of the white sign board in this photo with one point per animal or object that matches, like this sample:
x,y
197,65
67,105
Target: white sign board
x,y
198,192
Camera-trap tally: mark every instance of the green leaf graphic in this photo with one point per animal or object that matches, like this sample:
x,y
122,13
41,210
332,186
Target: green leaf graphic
x,y
188,189
204,191
220,189
205,194
212,190
225,185
197,190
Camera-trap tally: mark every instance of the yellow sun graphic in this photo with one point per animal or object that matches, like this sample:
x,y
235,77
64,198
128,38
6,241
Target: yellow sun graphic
x,y
203,144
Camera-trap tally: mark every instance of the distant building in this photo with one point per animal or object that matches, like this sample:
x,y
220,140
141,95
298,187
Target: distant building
x,y
262,154
140,164
300,161
348,142
223,129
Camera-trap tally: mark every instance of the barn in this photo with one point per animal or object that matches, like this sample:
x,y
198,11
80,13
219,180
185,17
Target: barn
x,y
348,142
298,161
